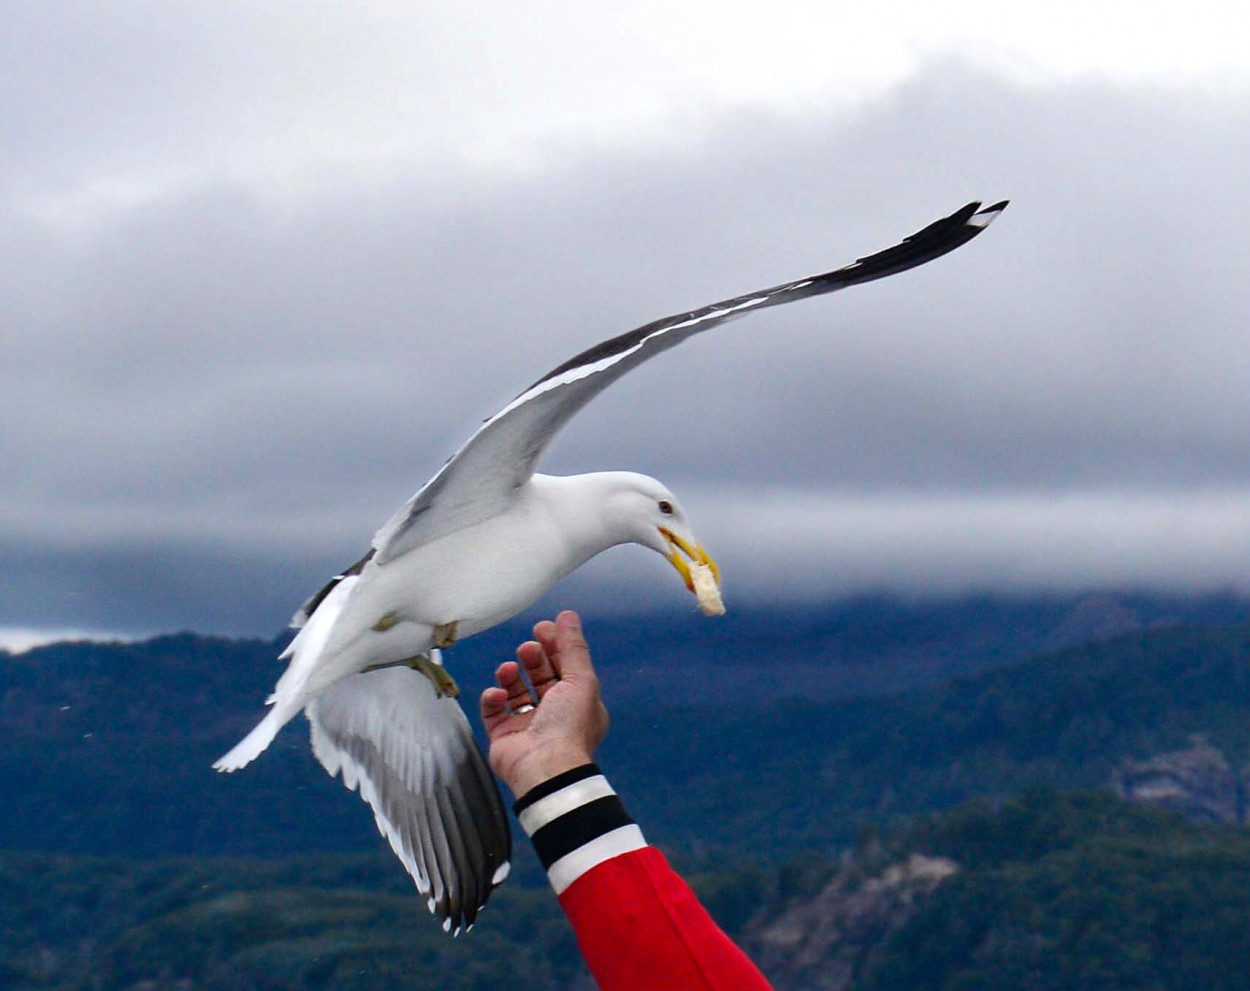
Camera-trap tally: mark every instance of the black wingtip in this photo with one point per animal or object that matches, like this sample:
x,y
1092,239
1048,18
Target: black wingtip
x,y
939,238
939,230
986,215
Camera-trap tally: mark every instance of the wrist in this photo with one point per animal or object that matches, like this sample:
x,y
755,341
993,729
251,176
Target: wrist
x,y
538,768
576,822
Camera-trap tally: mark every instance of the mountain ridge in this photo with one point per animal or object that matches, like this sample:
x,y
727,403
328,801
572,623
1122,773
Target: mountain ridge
x,y
108,747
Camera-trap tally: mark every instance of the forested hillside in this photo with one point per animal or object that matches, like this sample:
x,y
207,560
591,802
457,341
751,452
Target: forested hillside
x,y
927,839
801,775
1073,891
1079,892
108,747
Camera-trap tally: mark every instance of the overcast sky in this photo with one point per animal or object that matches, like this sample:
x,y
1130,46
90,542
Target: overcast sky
x,y
265,265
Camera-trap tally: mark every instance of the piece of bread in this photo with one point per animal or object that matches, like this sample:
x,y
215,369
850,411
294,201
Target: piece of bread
x,y
706,589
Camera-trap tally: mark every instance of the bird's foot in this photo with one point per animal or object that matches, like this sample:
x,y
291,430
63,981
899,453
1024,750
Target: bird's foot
x,y
445,633
444,684
386,622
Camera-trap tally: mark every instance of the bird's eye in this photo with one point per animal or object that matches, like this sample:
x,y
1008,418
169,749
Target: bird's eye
x,y
666,507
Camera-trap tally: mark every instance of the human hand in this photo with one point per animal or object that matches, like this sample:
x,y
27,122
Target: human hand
x,y
569,721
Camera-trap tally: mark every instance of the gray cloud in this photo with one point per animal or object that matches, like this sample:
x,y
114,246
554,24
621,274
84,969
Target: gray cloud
x,y
216,383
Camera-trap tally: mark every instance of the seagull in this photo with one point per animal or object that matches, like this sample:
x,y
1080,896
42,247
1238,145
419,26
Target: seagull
x,y
479,542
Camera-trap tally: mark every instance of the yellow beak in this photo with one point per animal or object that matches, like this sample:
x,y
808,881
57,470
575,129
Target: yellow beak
x,y
694,552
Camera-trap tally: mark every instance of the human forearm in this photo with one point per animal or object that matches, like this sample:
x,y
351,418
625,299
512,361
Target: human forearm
x,y
637,922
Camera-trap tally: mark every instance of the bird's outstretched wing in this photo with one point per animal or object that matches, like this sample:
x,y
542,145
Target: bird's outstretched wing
x,y
413,757
479,479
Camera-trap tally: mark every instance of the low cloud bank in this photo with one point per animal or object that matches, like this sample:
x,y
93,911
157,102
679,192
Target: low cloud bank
x,y
773,545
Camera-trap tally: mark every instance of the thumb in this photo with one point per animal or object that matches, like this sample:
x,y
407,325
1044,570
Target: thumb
x,y
574,654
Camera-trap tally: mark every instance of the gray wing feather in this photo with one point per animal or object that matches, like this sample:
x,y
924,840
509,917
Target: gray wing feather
x,y
412,755
478,480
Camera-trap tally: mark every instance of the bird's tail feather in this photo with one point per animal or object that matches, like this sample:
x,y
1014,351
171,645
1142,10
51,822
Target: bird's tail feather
x,y
257,741
304,654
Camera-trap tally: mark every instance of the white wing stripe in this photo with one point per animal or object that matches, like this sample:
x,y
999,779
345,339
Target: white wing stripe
x,y
585,371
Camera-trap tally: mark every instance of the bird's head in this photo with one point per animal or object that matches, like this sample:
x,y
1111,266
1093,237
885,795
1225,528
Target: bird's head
x,y
656,520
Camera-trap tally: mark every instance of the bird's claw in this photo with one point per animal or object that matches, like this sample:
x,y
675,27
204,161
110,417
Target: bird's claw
x,y
444,684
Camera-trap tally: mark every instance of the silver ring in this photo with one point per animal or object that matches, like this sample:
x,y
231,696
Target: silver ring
x,y
520,709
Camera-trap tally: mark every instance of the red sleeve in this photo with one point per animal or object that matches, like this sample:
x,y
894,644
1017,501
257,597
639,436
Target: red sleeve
x,y
639,926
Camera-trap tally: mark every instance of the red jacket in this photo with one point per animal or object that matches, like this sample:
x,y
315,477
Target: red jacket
x,y
639,926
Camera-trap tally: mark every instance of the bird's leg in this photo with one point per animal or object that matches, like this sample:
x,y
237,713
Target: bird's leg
x,y
383,665
444,684
445,633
